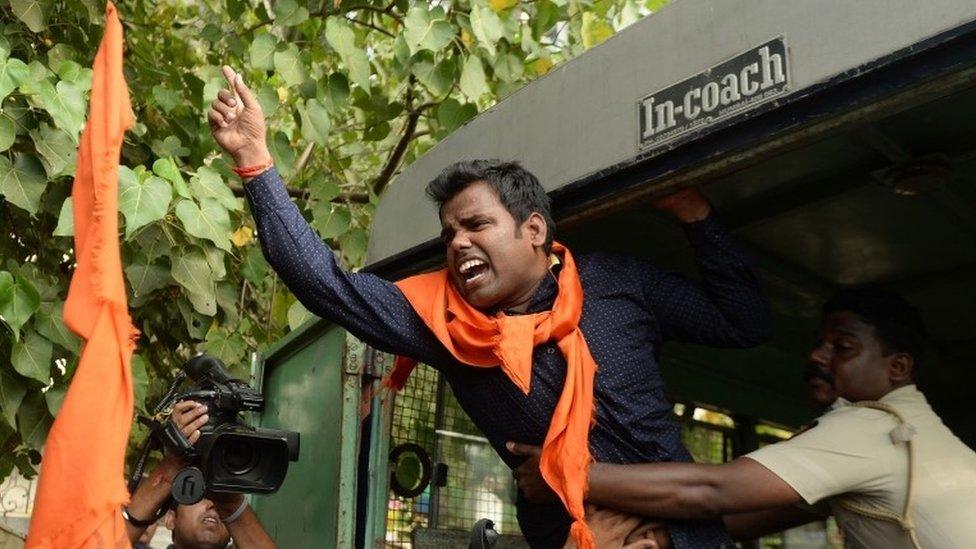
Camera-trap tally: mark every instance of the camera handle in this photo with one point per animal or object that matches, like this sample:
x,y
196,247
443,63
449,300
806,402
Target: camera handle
x,y
172,437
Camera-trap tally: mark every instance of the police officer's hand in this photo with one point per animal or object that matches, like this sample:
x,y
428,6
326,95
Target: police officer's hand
x,y
687,205
528,477
237,122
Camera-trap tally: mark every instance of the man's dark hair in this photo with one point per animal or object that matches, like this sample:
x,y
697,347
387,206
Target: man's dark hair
x,y
518,190
897,322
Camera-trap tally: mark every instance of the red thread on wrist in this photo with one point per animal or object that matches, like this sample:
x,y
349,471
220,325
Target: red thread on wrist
x,y
255,170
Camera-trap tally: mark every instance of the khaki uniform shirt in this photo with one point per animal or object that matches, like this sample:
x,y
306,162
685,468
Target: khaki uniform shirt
x,y
850,452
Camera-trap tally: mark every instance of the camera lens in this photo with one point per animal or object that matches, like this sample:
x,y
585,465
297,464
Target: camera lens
x,y
239,457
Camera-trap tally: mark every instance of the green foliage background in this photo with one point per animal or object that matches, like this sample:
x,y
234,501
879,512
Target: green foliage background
x,y
353,91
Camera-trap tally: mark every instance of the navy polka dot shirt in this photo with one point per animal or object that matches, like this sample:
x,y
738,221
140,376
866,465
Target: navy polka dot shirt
x,y
630,307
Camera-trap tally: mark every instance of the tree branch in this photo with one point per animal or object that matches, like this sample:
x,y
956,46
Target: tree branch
x,y
388,10
396,155
370,25
419,110
304,158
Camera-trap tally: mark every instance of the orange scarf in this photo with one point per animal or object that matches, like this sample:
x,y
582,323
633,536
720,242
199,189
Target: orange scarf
x,y
477,339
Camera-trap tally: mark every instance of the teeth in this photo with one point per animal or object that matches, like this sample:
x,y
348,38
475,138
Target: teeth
x,y
469,264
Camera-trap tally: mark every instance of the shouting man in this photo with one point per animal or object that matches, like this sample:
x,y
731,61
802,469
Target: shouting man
x,y
537,345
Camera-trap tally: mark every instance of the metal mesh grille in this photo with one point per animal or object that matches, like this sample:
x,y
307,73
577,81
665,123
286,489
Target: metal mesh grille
x,y
479,484
414,412
706,443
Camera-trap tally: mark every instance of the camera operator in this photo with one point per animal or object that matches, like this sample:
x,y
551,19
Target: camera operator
x,y
209,524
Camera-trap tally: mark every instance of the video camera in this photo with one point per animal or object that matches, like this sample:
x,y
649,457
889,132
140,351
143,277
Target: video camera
x,y
229,456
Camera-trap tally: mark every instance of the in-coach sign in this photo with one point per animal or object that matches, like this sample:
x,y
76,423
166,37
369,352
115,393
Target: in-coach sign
x,y
734,86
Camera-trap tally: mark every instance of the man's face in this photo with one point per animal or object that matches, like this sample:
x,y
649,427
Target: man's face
x,y
198,526
490,266
849,350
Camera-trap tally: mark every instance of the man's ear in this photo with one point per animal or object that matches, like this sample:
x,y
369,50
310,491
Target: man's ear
x,y
536,229
901,366
169,519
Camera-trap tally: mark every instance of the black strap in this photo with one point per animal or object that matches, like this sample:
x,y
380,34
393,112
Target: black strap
x,y
148,522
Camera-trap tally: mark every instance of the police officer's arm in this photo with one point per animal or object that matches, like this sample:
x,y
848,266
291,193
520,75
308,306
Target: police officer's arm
x,y
754,525
668,490
154,491
688,490
245,529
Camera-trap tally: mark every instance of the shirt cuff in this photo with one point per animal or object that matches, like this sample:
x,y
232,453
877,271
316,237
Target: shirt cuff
x,y
267,190
707,231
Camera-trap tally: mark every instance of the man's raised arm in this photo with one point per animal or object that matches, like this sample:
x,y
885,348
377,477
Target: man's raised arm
x,y
371,308
727,307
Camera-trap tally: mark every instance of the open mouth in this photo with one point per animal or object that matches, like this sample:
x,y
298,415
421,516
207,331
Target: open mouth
x,y
210,520
473,271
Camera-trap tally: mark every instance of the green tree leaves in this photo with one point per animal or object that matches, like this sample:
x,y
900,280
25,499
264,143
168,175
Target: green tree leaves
x,y
57,148
12,393
487,27
32,357
315,122
262,52
594,30
288,13
451,114
34,420
18,301
341,37
352,93
8,132
427,29
65,102
208,221
22,182
13,71
34,13
191,270
473,81
143,198
289,65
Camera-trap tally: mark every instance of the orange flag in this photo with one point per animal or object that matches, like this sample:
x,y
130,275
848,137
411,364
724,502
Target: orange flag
x,y
82,485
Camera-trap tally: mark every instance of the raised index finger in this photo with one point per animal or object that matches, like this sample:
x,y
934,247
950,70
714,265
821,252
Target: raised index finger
x,y
231,77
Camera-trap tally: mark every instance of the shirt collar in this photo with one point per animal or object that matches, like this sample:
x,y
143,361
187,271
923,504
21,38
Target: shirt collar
x,y
902,394
545,293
